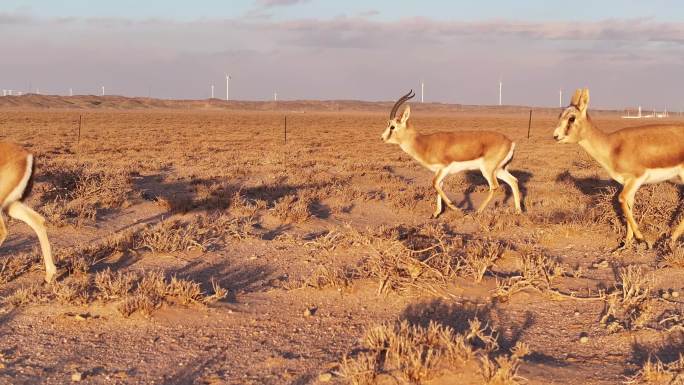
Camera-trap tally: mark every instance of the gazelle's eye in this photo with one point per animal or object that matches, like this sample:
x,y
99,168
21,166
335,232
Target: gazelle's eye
x,y
391,128
572,119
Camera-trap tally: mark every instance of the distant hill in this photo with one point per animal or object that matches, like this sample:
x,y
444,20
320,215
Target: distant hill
x,y
113,102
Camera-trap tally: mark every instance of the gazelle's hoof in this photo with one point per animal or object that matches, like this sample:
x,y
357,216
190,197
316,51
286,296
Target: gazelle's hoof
x,y
624,246
50,276
435,215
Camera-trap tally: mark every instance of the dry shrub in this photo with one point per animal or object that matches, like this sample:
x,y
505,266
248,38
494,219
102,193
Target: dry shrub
x,y
25,295
77,194
674,258
425,258
17,265
480,257
630,307
73,290
537,271
114,285
418,354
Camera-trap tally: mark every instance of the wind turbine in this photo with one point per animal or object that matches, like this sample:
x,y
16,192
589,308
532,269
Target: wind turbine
x,y
228,77
422,91
275,96
212,91
103,92
71,92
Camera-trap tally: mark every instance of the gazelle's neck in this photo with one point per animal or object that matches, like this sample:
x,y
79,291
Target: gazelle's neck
x,y
409,143
597,144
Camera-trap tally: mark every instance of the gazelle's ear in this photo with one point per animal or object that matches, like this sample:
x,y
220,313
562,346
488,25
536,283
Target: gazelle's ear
x,y
405,116
583,101
576,97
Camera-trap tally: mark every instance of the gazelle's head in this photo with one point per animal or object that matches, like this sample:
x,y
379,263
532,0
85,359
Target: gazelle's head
x,y
398,128
573,120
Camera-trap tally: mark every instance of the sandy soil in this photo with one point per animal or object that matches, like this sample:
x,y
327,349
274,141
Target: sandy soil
x,y
326,200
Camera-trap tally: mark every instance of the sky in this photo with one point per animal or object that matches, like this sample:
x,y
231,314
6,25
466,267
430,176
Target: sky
x,y
627,52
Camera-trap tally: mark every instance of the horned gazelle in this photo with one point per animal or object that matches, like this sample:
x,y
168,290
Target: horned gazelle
x,y
16,171
451,152
632,156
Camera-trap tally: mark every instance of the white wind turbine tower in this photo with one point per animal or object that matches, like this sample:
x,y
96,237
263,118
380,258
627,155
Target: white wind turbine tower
x,y
422,91
71,92
103,92
212,91
500,90
228,77
275,96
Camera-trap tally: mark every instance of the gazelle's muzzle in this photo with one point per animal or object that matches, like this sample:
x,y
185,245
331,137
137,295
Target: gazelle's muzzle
x,y
559,134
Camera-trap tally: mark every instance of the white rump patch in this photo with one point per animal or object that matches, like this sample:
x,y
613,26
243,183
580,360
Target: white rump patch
x,y
18,191
657,175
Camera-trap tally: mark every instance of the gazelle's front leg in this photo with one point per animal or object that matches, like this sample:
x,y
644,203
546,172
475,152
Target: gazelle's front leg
x,y
441,196
18,210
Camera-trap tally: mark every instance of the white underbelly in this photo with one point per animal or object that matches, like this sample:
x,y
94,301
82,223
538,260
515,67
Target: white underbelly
x,y
456,167
657,175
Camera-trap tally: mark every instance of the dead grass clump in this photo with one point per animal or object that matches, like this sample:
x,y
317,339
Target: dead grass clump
x,y
655,372
199,233
416,354
630,306
331,277
77,194
153,290
293,209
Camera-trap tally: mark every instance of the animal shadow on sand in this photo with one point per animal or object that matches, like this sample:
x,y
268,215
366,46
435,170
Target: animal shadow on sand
x,y
183,196
474,179
667,350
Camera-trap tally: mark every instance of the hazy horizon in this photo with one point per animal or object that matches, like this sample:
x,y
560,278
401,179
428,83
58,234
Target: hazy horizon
x,y
627,52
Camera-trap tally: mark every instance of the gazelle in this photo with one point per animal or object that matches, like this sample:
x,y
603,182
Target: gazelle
x,y
452,152
631,156
16,171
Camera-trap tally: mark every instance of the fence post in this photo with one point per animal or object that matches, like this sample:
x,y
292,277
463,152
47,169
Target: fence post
x,y
529,125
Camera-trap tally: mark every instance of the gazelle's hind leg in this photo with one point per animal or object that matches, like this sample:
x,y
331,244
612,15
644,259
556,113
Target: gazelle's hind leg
x,y
510,180
3,230
25,214
627,203
677,233
441,195
493,186
680,228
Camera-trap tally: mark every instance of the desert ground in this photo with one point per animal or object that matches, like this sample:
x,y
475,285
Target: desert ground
x,y
197,246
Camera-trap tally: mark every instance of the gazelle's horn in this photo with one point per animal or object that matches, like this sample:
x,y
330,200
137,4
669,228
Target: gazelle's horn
x,y
401,101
